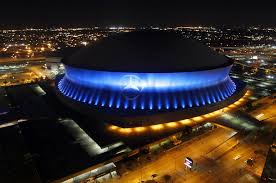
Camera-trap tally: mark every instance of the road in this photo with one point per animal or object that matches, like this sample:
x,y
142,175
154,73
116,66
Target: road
x,y
266,112
23,71
223,169
213,154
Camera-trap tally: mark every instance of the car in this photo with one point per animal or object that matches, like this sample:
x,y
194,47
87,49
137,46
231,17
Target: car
x,y
273,147
177,142
237,157
250,161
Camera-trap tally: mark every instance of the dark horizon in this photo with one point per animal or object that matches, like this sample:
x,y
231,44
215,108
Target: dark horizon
x,y
136,13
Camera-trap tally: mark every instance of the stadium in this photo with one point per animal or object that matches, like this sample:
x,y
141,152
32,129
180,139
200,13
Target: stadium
x,y
146,78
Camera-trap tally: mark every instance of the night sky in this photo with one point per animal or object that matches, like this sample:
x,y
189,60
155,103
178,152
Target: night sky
x,y
133,13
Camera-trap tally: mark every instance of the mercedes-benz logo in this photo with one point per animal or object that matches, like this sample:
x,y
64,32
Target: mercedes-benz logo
x,y
131,86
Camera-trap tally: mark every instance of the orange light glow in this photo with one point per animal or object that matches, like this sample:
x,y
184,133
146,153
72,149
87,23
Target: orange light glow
x,y
157,127
139,129
180,123
242,99
186,122
198,118
125,130
207,115
113,127
171,124
217,112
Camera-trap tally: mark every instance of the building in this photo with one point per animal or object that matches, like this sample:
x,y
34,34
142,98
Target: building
x,y
146,78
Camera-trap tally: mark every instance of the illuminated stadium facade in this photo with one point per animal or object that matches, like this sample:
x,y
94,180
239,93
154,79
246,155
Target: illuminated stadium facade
x,y
144,78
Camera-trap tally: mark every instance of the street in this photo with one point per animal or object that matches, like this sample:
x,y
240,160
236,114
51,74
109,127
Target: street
x,y
207,169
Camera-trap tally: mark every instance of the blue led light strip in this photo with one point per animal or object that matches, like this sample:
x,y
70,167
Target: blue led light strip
x,y
147,100
148,81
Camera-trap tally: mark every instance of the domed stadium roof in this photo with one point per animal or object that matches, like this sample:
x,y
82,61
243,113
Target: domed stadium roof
x,y
147,52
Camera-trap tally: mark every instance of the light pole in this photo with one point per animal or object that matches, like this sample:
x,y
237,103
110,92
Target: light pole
x,y
141,173
175,164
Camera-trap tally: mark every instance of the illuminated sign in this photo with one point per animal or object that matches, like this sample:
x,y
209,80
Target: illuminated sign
x,y
131,86
188,162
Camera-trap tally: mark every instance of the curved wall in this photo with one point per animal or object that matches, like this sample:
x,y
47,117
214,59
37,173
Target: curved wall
x,y
147,91
134,118
147,81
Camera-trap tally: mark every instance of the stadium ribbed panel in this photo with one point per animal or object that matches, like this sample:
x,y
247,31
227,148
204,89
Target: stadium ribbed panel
x,y
165,99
